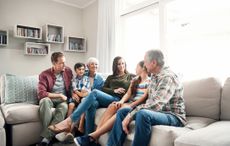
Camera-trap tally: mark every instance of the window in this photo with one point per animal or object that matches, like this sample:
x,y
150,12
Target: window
x,y
197,38
193,34
139,33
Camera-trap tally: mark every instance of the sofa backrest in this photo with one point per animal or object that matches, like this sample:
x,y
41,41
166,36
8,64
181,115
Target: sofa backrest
x,y
225,101
202,98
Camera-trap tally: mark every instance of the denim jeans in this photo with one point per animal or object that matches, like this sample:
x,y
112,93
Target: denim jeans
x,y
95,99
145,119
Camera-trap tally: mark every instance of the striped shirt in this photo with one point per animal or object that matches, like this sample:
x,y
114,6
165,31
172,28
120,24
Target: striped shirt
x,y
141,88
165,94
78,83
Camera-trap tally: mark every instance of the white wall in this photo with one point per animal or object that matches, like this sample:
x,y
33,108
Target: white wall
x,y
39,13
90,15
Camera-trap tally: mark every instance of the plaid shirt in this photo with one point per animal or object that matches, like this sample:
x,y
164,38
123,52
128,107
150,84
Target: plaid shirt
x,y
78,83
165,94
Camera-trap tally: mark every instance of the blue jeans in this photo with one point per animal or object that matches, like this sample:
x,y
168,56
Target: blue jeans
x,y
95,99
145,119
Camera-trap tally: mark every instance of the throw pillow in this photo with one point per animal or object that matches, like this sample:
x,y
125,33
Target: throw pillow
x,y
2,86
20,89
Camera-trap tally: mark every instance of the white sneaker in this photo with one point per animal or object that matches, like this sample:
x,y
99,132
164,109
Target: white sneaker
x,y
69,138
61,136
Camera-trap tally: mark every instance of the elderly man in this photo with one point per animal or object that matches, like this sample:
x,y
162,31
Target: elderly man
x,y
53,90
164,106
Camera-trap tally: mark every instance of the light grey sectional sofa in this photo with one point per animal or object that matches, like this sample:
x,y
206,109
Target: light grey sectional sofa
x,y
207,107
208,114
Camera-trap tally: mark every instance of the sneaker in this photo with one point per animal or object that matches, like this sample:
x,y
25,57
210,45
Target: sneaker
x,y
69,138
85,141
61,136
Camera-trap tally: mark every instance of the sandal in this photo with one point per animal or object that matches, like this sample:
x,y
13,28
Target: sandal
x,y
55,129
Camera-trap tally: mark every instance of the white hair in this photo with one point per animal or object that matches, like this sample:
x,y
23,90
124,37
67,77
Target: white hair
x,y
92,60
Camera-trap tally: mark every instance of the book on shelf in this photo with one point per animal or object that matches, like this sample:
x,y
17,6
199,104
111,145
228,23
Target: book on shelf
x,y
28,32
37,51
3,39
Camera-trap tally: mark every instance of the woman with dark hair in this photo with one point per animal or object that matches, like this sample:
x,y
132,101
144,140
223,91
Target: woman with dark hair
x,y
115,87
136,94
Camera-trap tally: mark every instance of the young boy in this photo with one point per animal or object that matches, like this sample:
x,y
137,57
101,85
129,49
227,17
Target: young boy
x,y
80,86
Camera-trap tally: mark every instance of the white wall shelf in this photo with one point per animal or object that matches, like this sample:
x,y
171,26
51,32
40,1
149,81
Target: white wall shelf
x,y
75,44
3,38
32,48
53,33
28,32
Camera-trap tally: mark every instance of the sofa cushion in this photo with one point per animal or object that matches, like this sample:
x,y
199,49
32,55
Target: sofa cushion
x,y
225,100
216,134
2,87
19,89
165,135
202,98
20,113
99,114
198,122
2,121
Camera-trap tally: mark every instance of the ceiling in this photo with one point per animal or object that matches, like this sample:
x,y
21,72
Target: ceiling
x,y
76,3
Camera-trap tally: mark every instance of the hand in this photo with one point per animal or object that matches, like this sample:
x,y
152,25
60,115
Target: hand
x,y
125,124
82,93
63,97
118,104
84,90
76,98
119,90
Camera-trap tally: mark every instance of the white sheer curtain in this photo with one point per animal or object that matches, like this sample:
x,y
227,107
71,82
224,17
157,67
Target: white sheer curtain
x,y
106,34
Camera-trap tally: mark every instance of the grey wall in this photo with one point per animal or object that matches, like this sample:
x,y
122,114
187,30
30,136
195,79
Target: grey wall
x,y
39,13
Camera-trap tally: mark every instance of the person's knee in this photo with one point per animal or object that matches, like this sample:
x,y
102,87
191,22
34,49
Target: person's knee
x,y
141,115
45,101
92,95
94,92
64,106
112,107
